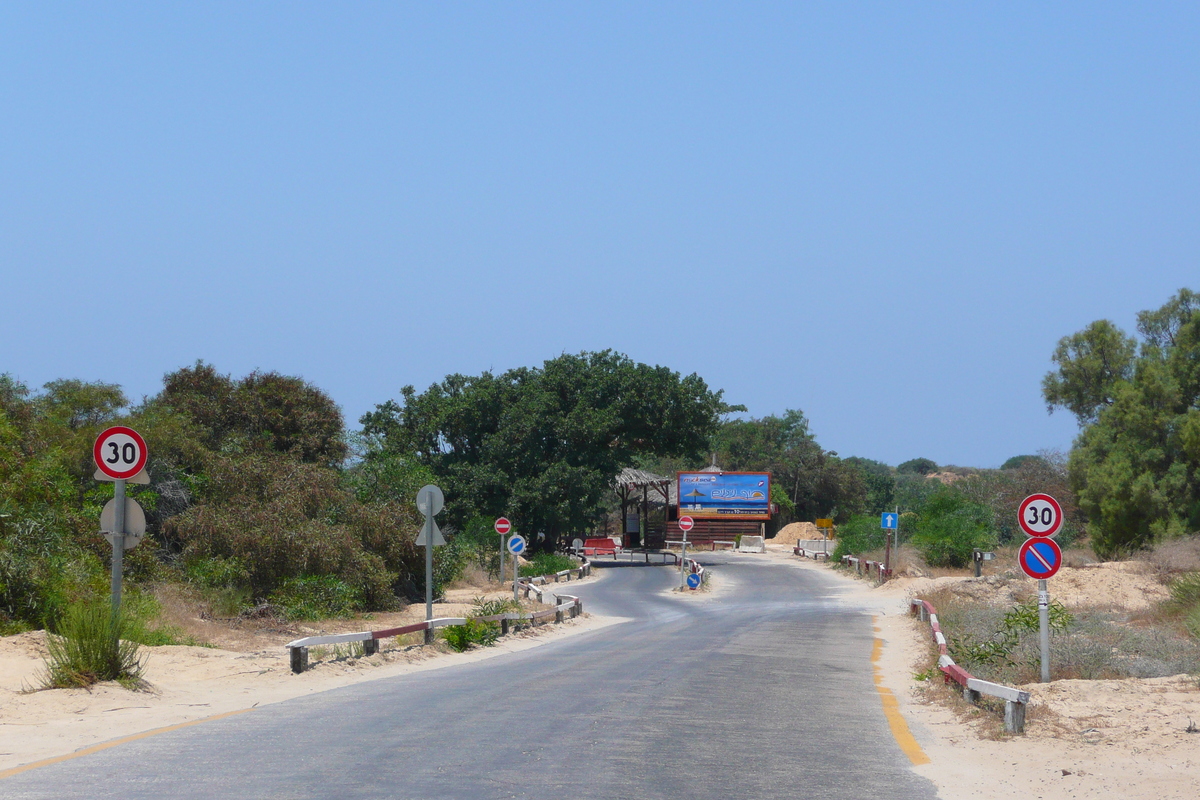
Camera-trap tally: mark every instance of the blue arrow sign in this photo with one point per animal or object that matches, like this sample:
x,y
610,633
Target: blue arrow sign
x,y
693,581
889,521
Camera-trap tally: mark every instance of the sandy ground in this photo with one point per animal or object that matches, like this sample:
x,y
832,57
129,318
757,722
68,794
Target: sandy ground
x,y
187,684
1084,739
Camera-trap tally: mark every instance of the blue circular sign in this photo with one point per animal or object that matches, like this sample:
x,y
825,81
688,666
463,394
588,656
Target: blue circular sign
x,y
516,545
1040,557
693,581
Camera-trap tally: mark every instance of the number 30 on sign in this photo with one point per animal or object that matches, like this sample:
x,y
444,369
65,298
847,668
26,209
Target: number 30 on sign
x,y
1040,515
120,453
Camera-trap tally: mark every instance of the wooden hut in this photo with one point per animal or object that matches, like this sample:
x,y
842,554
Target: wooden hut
x,y
650,513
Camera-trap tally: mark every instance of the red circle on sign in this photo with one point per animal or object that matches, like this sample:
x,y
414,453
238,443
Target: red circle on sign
x,y
120,452
1040,515
1040,557
503,526
686,523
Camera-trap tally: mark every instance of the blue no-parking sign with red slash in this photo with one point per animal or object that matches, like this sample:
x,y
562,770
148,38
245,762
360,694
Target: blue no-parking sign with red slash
x,y
1040,557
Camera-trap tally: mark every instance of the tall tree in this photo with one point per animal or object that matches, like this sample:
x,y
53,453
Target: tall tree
x,y
543,444
815,481
1090,365
1136,464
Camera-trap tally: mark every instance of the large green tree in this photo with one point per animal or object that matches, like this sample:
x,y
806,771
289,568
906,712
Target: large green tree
x,y
1136,464
1090,365
814,481
543,444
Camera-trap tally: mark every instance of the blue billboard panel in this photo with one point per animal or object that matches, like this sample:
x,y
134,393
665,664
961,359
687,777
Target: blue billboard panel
x,y
725,494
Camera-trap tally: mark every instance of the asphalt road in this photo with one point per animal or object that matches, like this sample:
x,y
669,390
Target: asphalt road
x,y
764,693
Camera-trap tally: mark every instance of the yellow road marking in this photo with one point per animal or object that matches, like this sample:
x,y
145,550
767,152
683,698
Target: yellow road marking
x,y
8,773
891,710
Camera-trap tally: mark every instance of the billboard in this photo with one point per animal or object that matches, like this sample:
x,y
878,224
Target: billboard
x,y
725,494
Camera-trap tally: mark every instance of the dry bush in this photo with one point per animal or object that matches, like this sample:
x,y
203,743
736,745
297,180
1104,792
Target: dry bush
x,y
1175,556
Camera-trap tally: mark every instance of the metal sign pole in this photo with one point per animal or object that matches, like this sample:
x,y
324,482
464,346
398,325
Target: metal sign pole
x,y
683,563
1044,627
502,559
516,585
896,533
429,566
118,557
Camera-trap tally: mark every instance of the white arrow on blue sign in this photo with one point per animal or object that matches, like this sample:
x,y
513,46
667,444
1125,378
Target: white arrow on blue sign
x,y
693,581
888,521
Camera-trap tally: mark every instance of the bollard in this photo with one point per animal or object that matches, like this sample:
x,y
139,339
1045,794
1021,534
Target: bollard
x,y
504,627
299,659
370,647
558,615
1014,717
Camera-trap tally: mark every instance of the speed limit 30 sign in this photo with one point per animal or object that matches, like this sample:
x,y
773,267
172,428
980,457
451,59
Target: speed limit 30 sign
x,y
1040,515
120,452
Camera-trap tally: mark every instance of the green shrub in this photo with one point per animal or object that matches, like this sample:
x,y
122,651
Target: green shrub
x,y
547,564
489,608
461,637
949,527
42,571
216,572
1185,601
860,534
315,597
91,646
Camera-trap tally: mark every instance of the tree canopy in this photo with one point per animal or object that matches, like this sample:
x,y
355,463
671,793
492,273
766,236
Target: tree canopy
x,y
808,481
1136,463
543,445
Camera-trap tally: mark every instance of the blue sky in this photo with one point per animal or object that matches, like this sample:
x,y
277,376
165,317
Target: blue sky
x,y
883,214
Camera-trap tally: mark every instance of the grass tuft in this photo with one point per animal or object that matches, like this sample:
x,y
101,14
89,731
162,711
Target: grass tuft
x,y
91,646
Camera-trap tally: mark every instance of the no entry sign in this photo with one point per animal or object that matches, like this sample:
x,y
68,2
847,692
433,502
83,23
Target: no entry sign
x,y
503,526
1040,515
686,523
120,452
1040,557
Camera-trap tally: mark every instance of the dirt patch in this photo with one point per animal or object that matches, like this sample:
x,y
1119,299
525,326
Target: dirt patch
x,y
795,532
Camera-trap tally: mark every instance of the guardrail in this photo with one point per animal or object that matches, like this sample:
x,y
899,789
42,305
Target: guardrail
x,y
298,649
815,555
1015,700
862,565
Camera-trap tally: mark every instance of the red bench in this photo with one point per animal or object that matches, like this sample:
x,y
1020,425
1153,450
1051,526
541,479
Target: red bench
x,y
601,547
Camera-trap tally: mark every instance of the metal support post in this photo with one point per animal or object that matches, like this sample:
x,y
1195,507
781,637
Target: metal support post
x,y
683,563
1044,627
118,556
516,584
428,567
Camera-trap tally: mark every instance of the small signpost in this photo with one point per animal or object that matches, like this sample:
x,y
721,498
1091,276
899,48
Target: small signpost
x,y
890,522
685,524
1040,517
503,527
516,546
120,454
693,581
430,502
